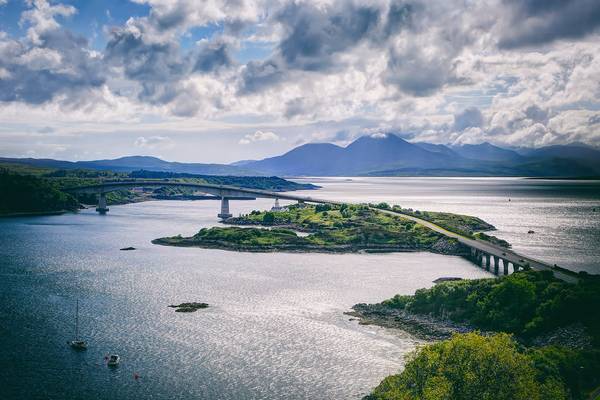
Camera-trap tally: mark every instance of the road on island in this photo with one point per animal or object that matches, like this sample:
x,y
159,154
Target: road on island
x,y
487,247
226,191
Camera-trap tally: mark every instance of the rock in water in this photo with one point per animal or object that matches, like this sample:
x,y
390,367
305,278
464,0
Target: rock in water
x,y
188,307
447,279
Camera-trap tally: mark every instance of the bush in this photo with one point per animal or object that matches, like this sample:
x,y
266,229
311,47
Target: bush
x,y
268,218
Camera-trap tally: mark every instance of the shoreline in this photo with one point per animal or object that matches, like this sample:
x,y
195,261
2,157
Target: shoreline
x,y
295,249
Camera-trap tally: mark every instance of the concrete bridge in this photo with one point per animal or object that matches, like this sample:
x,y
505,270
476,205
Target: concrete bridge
x,y
484,254
224,192
490,256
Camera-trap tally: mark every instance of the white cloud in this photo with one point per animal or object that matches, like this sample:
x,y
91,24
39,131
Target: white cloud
x,y
154,142
259,136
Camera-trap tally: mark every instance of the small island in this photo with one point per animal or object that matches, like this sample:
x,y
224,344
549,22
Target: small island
x,y
188,307
327,228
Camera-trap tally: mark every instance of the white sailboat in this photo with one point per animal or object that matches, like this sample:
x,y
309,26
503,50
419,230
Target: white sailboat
x,y
77,343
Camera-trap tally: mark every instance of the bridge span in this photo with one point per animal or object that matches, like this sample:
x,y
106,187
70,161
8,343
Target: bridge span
x,y
483,254
224,192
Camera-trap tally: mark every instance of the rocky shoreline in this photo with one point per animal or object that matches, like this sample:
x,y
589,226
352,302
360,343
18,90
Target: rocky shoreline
x,y
445,249
421,326
427,327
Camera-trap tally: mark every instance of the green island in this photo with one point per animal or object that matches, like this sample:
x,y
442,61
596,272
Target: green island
x,y
38,190
540,340
326,228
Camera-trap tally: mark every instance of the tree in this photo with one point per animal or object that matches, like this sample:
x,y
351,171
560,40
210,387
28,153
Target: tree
x,y
468,366
268,218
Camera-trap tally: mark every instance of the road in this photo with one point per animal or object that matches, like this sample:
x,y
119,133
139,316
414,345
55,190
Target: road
x,y
488,248
232,191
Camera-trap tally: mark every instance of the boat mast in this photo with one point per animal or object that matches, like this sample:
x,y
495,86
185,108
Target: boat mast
x,y
77,321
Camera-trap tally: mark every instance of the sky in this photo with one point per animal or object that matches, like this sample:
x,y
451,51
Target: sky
x,y
227,80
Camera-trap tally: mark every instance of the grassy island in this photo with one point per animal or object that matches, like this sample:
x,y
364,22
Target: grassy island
x,y
533,321
329,228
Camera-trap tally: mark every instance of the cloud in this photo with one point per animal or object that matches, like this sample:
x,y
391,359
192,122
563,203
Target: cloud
x,y
45,129
154,142
508,71
469,118
54,65
317,35
259,136
537,22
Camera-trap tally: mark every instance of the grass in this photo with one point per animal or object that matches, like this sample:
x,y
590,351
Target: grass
x,y
330,228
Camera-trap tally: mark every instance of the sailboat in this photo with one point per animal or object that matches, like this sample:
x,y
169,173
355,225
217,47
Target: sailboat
x,y
77,343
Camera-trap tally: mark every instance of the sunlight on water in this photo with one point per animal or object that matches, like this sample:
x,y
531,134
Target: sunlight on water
x,y
275,328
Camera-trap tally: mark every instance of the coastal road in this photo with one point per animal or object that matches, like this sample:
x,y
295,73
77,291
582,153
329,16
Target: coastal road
x,y
487,247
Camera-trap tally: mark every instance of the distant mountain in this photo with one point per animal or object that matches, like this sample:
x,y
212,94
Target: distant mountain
x,y
308,159
381,155
362,156
487,152
436,148
134,163
576,151
390,155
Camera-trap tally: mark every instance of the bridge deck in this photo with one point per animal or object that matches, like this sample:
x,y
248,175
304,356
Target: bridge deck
x,y
489,248
224,190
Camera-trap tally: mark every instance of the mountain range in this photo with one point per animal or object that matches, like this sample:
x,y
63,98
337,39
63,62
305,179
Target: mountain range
x,y
381,155
390,155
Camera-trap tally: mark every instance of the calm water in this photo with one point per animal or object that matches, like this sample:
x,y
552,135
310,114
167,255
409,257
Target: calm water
x,y
276,328
565,215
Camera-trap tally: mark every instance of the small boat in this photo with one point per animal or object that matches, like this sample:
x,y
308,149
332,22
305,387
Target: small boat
x,y
113,360
77,343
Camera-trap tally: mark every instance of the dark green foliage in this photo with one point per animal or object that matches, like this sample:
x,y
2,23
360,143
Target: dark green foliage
x,y
268,218
336,228
322,207
272,183
467,367
26,193
525,303
248,236
462,224
577,370
492,239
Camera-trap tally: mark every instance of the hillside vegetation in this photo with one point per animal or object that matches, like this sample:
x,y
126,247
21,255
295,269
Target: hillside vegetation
x,y
471,366
556,323
31,194
330,228
32,189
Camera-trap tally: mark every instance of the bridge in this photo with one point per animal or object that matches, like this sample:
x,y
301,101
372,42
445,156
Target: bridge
x,y
484,254
224,192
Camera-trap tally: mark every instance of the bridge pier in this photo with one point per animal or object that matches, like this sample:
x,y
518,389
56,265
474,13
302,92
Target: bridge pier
x,y
487,262
102,209
505,265
480,259
224,214
496,265
276,206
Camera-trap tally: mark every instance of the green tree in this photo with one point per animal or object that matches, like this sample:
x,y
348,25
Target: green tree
x,y
268,218
465,367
